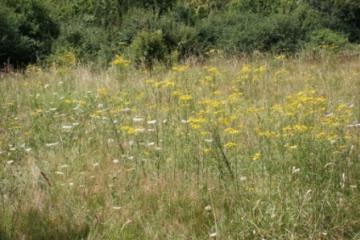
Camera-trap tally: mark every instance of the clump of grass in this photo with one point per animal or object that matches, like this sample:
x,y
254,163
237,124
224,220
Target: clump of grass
x,y
239,149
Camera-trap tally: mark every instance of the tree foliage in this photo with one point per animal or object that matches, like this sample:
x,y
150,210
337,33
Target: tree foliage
x,y
26,31
96,30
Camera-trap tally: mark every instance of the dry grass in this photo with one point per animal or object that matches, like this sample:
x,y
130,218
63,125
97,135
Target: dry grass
x,y
257,148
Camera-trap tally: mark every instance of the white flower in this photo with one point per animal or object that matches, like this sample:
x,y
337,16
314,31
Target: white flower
x,y
140,130
151,122
295,170
10,162
243,178
184,121
116,161
138,119
208,208
213,235
126,109
67,127
116,207
95,164
354,125
51,144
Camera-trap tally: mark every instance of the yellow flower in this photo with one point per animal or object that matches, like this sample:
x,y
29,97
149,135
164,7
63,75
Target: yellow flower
x,y
292,147
280,57
103,92
257,156
68,101
234,97
120,61
231,131
230,145
300,128
129,130
213,71
176,93
168,83
185,98
196,123
180,68
224,121
211,102
245,70
261,69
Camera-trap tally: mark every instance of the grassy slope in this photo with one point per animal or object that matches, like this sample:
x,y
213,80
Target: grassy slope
x,y
244,149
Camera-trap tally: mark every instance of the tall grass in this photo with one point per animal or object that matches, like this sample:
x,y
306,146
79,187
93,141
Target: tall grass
x,y
253,148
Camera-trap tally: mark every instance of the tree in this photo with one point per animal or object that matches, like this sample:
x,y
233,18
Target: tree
x,y
27,31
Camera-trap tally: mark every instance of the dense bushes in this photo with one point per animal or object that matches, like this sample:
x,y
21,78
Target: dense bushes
x,y
342,16
26,31
168,30
324,38
149,47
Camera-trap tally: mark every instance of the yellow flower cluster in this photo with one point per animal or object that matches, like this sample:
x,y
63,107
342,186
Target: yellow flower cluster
x,y
120,61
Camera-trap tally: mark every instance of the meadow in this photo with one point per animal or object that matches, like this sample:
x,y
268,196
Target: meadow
x,y
261,147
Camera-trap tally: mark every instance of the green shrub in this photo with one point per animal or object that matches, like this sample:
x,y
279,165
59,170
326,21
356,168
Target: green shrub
x,y
325,38
149,47
188,44
339,15
88,43
132,24
245,32
27,31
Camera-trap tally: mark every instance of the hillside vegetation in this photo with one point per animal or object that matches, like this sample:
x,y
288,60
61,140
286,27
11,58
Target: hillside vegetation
x,y
170,31
263,147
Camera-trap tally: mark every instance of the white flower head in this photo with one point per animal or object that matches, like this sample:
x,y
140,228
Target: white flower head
x,y
152,122
138,119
